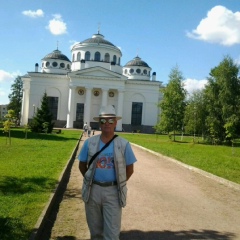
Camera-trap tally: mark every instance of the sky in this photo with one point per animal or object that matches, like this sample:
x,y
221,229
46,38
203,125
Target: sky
x,y
193,35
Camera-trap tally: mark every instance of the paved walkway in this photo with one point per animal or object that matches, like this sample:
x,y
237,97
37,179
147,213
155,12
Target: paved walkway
x,y
165,201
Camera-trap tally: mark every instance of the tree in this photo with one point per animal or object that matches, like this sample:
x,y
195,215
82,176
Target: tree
x,y
195,114
173,104
26,128
42,121
16,97
222,96
10,116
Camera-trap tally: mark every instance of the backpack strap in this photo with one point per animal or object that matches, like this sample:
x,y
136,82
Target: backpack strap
x,y
105,146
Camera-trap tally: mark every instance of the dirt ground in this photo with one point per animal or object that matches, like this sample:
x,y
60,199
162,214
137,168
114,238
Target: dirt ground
x,y
165,201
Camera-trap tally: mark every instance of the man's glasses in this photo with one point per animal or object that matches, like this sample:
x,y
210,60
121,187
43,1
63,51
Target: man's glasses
x,y
109,120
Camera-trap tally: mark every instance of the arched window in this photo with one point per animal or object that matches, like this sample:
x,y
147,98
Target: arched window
x,y
73,57
115,58
137,109
119,61
78,56
87,56
107,57
97,56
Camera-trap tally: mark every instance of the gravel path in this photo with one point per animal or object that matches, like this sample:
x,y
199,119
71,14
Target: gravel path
x,y
165,201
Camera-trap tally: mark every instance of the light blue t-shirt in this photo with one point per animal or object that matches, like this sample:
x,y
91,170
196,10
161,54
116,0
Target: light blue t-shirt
x,y
105,169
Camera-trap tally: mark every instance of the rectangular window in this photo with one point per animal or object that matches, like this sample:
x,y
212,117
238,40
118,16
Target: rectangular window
x,y
80,112
137,113
53,106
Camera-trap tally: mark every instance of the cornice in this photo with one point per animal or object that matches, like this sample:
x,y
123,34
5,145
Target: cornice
x,y
98,78
47,75
141,82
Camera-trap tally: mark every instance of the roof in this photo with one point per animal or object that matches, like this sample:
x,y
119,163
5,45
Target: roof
x,y
97,38
56,54
137,61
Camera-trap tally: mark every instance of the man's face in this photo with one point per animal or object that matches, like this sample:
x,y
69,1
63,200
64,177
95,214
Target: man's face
x,y
108,124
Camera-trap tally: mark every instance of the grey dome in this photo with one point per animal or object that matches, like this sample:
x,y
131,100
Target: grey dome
x,y
137,61
56,54
99,39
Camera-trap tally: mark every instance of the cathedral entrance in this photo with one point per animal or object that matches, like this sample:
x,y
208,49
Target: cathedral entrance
x,y
79,116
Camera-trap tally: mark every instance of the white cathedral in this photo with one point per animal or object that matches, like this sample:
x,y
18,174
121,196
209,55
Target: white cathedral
x,y
95,77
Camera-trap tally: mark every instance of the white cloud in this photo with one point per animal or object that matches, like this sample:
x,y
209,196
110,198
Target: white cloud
x,y
237,61
4,96
220,26
5,76
6,80
57,26
192,85
33,14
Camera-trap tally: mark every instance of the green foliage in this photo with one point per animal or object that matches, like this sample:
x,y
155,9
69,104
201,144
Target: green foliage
x,y
42,121
195,114
26,130
222,97
213,113
15,97
45,127
173,104
231,128
10,116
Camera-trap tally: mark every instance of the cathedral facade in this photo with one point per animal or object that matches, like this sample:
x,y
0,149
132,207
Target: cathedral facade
x,y
94,77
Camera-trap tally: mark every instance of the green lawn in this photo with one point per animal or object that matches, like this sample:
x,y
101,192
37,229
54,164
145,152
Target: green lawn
x,y
223,161
29,171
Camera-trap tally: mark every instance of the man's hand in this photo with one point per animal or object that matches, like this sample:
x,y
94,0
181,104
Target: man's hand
x,y
129,171
83,167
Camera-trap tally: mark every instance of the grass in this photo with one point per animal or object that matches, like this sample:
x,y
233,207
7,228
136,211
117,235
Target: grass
x,y
30,169
222,161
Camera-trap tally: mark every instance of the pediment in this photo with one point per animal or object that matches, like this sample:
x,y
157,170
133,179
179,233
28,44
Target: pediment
x,y
96,72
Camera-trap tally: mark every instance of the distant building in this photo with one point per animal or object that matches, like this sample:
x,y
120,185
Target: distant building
x,y
94,77
3,111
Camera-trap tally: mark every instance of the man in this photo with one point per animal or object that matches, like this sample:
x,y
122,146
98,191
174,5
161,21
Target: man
x,y
85,128
104,188
89,131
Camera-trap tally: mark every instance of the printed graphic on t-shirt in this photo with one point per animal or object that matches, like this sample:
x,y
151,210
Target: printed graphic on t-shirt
x,y
105,162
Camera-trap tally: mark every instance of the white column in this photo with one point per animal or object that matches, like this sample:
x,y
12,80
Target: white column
x,y
87,106
25,103
120,109
104,96
71,101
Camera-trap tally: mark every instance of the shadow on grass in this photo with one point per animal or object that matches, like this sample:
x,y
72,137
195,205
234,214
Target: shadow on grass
x,y
12,228
66,238
13,185
19,133
178,235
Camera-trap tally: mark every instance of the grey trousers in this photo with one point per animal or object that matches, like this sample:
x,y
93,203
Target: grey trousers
x,y
103,213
